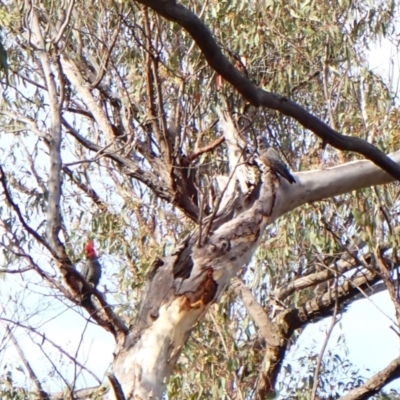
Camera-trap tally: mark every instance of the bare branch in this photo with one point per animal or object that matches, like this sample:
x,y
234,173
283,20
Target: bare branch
x,y
31,231
41,393
268,330
90,192
131,169
206,149
291,319
82,394
104,63
104,316
54,182
376,383
334,321
15,271
55,369
28,121
228,354
312,279
59,348
75,77
65,22
389,283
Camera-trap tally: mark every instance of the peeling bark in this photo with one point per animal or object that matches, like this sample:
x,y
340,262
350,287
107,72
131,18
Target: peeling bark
x,y
179,291
181,287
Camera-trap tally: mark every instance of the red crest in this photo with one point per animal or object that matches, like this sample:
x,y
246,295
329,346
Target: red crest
x,y
89,249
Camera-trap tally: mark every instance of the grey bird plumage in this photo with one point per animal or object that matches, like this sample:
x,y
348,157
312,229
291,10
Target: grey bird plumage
x,y
270,157
91,270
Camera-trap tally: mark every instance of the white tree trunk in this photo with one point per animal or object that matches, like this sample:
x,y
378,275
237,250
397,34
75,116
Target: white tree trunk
x,y
181,287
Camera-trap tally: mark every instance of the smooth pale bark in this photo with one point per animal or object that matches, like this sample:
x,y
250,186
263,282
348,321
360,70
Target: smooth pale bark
x,y
181,287
322,184
54,181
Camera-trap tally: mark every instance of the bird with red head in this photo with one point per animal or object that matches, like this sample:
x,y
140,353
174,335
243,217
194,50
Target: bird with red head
x,y
91,270
89,250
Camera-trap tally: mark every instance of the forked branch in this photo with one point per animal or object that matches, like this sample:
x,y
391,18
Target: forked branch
x,y
203,37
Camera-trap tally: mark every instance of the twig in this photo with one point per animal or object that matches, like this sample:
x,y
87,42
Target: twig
x,y
104,63
334,320
100,153
387,279
41,393
15,271
369,299
394,330
31,231
59,348
201,207
239,392
27,121
76,354
65,23
55,369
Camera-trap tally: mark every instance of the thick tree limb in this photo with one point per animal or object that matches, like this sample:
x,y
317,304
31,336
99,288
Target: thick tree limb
x,y
268,330
54,181
321,306
304,282
318,185
200,33
376,383
179,290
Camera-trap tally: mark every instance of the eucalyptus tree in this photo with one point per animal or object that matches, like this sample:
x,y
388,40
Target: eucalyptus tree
x,y
135,124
